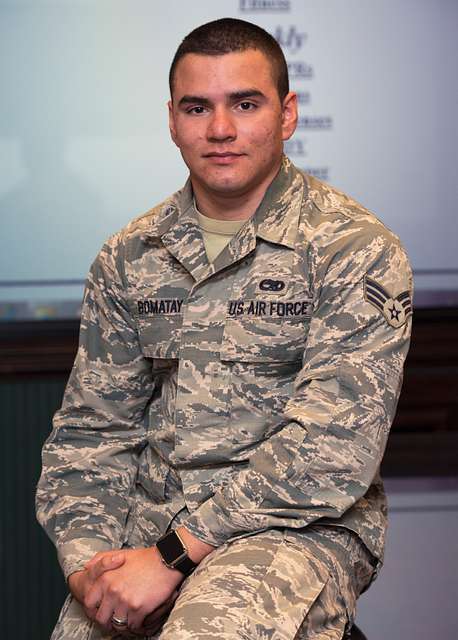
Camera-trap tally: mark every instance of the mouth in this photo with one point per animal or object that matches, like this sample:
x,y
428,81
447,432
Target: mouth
x,y
223,157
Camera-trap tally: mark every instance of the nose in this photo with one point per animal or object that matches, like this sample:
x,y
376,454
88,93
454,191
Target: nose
x,y
221,125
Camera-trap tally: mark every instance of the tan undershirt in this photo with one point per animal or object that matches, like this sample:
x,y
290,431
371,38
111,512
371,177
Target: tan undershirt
x,y
217,233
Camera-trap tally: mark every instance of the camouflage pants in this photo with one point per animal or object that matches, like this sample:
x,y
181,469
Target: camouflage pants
x,y
271,586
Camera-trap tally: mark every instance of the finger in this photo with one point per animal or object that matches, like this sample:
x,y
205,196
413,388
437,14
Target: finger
x,y
100,555
92,600
136,617
120,614
157,613
153,627
105,563
104,613
155,620
95,558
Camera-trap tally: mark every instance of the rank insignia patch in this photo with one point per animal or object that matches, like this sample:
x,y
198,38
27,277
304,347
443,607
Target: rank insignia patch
x,y
395,310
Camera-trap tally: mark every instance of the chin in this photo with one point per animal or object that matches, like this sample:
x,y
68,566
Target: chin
x,y
226,184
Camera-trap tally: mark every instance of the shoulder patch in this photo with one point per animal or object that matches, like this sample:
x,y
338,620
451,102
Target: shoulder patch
x,y
395,310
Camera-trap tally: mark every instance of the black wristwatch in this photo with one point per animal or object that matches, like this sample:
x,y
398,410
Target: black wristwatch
x,y
174,554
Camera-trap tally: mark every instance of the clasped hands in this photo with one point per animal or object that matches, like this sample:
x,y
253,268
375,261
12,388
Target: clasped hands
x,y
132,585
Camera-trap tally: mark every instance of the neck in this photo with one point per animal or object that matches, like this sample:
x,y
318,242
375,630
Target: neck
x,y
231,206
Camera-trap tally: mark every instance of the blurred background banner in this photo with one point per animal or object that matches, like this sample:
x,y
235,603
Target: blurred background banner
x,y
85,147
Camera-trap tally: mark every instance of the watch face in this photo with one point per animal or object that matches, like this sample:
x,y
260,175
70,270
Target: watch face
x,y
171,548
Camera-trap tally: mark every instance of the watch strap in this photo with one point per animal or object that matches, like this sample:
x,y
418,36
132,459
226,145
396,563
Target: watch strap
x,y
181,561
185,565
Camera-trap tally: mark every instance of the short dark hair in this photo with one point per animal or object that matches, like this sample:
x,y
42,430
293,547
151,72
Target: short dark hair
x,y
228,35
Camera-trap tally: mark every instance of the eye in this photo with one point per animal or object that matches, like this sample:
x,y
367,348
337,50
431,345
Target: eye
x,y
198,110
247,106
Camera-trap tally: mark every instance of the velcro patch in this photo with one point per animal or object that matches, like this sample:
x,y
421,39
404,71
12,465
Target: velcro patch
x,y
271,285
270,308
395,310
164,306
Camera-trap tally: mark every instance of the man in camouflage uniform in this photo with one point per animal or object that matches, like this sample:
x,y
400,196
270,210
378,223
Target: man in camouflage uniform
x,y
241,399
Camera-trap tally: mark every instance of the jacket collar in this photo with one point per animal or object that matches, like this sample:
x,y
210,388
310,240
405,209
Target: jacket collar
x,y
277,217
275,220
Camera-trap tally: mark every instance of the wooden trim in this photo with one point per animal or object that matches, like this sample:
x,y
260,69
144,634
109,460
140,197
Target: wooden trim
x,y
38,347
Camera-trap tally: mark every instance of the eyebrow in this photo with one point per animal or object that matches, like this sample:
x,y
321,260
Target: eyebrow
x,y
247,93
233,97
193,100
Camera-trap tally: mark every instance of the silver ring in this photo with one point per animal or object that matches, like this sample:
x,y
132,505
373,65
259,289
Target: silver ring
x,y
117,622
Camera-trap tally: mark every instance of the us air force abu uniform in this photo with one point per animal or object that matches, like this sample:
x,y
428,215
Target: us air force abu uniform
x,y
250,395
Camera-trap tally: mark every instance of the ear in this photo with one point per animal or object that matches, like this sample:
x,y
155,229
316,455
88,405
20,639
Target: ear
x,y
172,127
289,115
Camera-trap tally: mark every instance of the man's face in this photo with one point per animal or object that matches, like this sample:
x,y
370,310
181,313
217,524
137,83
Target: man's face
x,y
227,119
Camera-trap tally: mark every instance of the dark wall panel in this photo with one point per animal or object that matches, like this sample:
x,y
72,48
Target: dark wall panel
x,y
31,580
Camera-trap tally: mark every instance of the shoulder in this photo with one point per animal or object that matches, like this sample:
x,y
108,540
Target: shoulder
x,y
143,225
132,239
332,218
345,243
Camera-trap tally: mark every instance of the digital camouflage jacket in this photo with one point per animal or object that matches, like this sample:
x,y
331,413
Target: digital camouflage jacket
x,y
252,393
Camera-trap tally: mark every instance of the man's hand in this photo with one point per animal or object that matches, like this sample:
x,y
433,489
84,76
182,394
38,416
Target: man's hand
x,y
154,621
137,588
141,589
81,582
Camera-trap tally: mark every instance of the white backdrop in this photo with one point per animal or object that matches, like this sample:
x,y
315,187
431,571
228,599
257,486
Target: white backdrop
x,y
84,144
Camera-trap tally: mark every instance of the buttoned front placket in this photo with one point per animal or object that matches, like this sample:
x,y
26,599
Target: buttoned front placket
x,y
202,385
206,443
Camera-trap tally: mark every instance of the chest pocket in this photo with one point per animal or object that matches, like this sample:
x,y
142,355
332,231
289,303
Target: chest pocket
x,y
159,329
266,329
